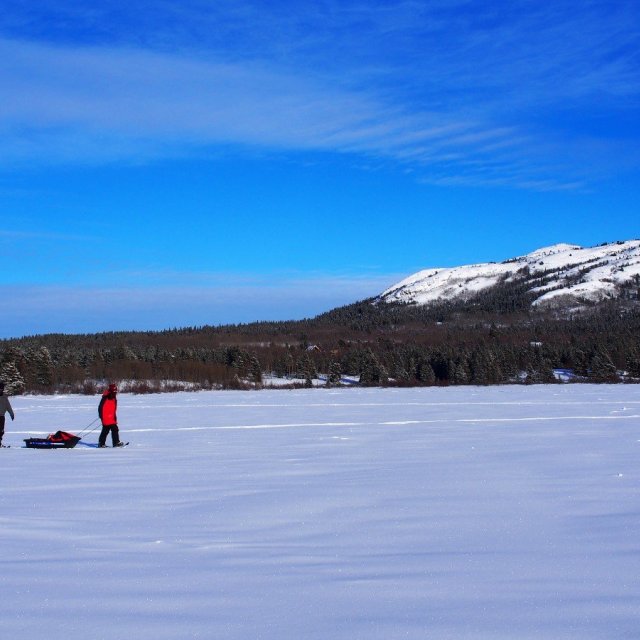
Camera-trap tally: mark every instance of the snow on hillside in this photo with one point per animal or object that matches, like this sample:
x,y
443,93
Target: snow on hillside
x,y
583,273
493,513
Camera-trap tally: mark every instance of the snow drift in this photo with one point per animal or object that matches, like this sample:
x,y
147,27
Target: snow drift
x,y
493,513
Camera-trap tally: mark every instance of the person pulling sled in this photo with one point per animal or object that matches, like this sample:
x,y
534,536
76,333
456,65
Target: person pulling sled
x,y
5,406
107,410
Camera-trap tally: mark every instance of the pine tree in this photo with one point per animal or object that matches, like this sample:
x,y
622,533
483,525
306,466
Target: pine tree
x,y
425,373
601,367
335,374
398,370
43,367
633,362
307,368
13,380
371,371
461,372
255,370
479,374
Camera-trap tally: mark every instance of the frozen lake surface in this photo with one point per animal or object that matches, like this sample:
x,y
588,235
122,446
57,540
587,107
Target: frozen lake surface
x,y
459,513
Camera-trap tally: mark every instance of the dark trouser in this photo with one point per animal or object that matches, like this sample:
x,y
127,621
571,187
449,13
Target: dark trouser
x,y
1,428
115,438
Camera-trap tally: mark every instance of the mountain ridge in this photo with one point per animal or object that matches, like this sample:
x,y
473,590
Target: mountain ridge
x,y
566,275
488,333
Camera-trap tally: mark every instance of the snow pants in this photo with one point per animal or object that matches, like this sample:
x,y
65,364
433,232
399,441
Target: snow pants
x,y
115,437
1,428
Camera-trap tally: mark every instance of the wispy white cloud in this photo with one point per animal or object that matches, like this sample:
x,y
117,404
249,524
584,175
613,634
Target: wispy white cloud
x,y
10,234
454,89
98,104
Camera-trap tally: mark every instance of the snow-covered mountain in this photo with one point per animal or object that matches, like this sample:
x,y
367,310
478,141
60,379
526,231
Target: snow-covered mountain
x,y
560,274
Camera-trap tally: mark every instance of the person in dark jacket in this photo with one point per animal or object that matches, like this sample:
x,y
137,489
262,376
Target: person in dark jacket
x,y
5,406
107,410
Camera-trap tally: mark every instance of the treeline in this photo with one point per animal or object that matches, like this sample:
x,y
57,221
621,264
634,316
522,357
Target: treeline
x,y
494,338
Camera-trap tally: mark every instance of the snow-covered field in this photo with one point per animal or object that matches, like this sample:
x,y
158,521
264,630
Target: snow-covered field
x,y
459,513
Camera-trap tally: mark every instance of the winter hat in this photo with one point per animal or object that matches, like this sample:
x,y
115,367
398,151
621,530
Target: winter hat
x,y
113,388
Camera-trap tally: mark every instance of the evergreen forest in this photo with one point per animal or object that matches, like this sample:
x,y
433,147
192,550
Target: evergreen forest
x,y
496,338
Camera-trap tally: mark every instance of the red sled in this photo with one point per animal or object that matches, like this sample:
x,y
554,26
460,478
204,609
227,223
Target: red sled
x,y
57,440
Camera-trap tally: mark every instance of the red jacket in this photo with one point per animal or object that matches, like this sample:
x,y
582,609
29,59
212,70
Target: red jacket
x,y
107,409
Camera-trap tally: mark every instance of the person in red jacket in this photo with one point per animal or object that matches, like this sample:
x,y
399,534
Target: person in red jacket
x,y
107,412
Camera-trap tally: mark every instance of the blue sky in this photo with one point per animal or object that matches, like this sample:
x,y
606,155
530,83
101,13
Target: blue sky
x,y
183,163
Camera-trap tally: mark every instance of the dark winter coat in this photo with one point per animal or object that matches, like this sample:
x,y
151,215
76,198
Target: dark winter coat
x,y
5,406
107,408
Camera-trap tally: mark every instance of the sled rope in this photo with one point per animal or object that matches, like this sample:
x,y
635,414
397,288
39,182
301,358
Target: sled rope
x,y
84,432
